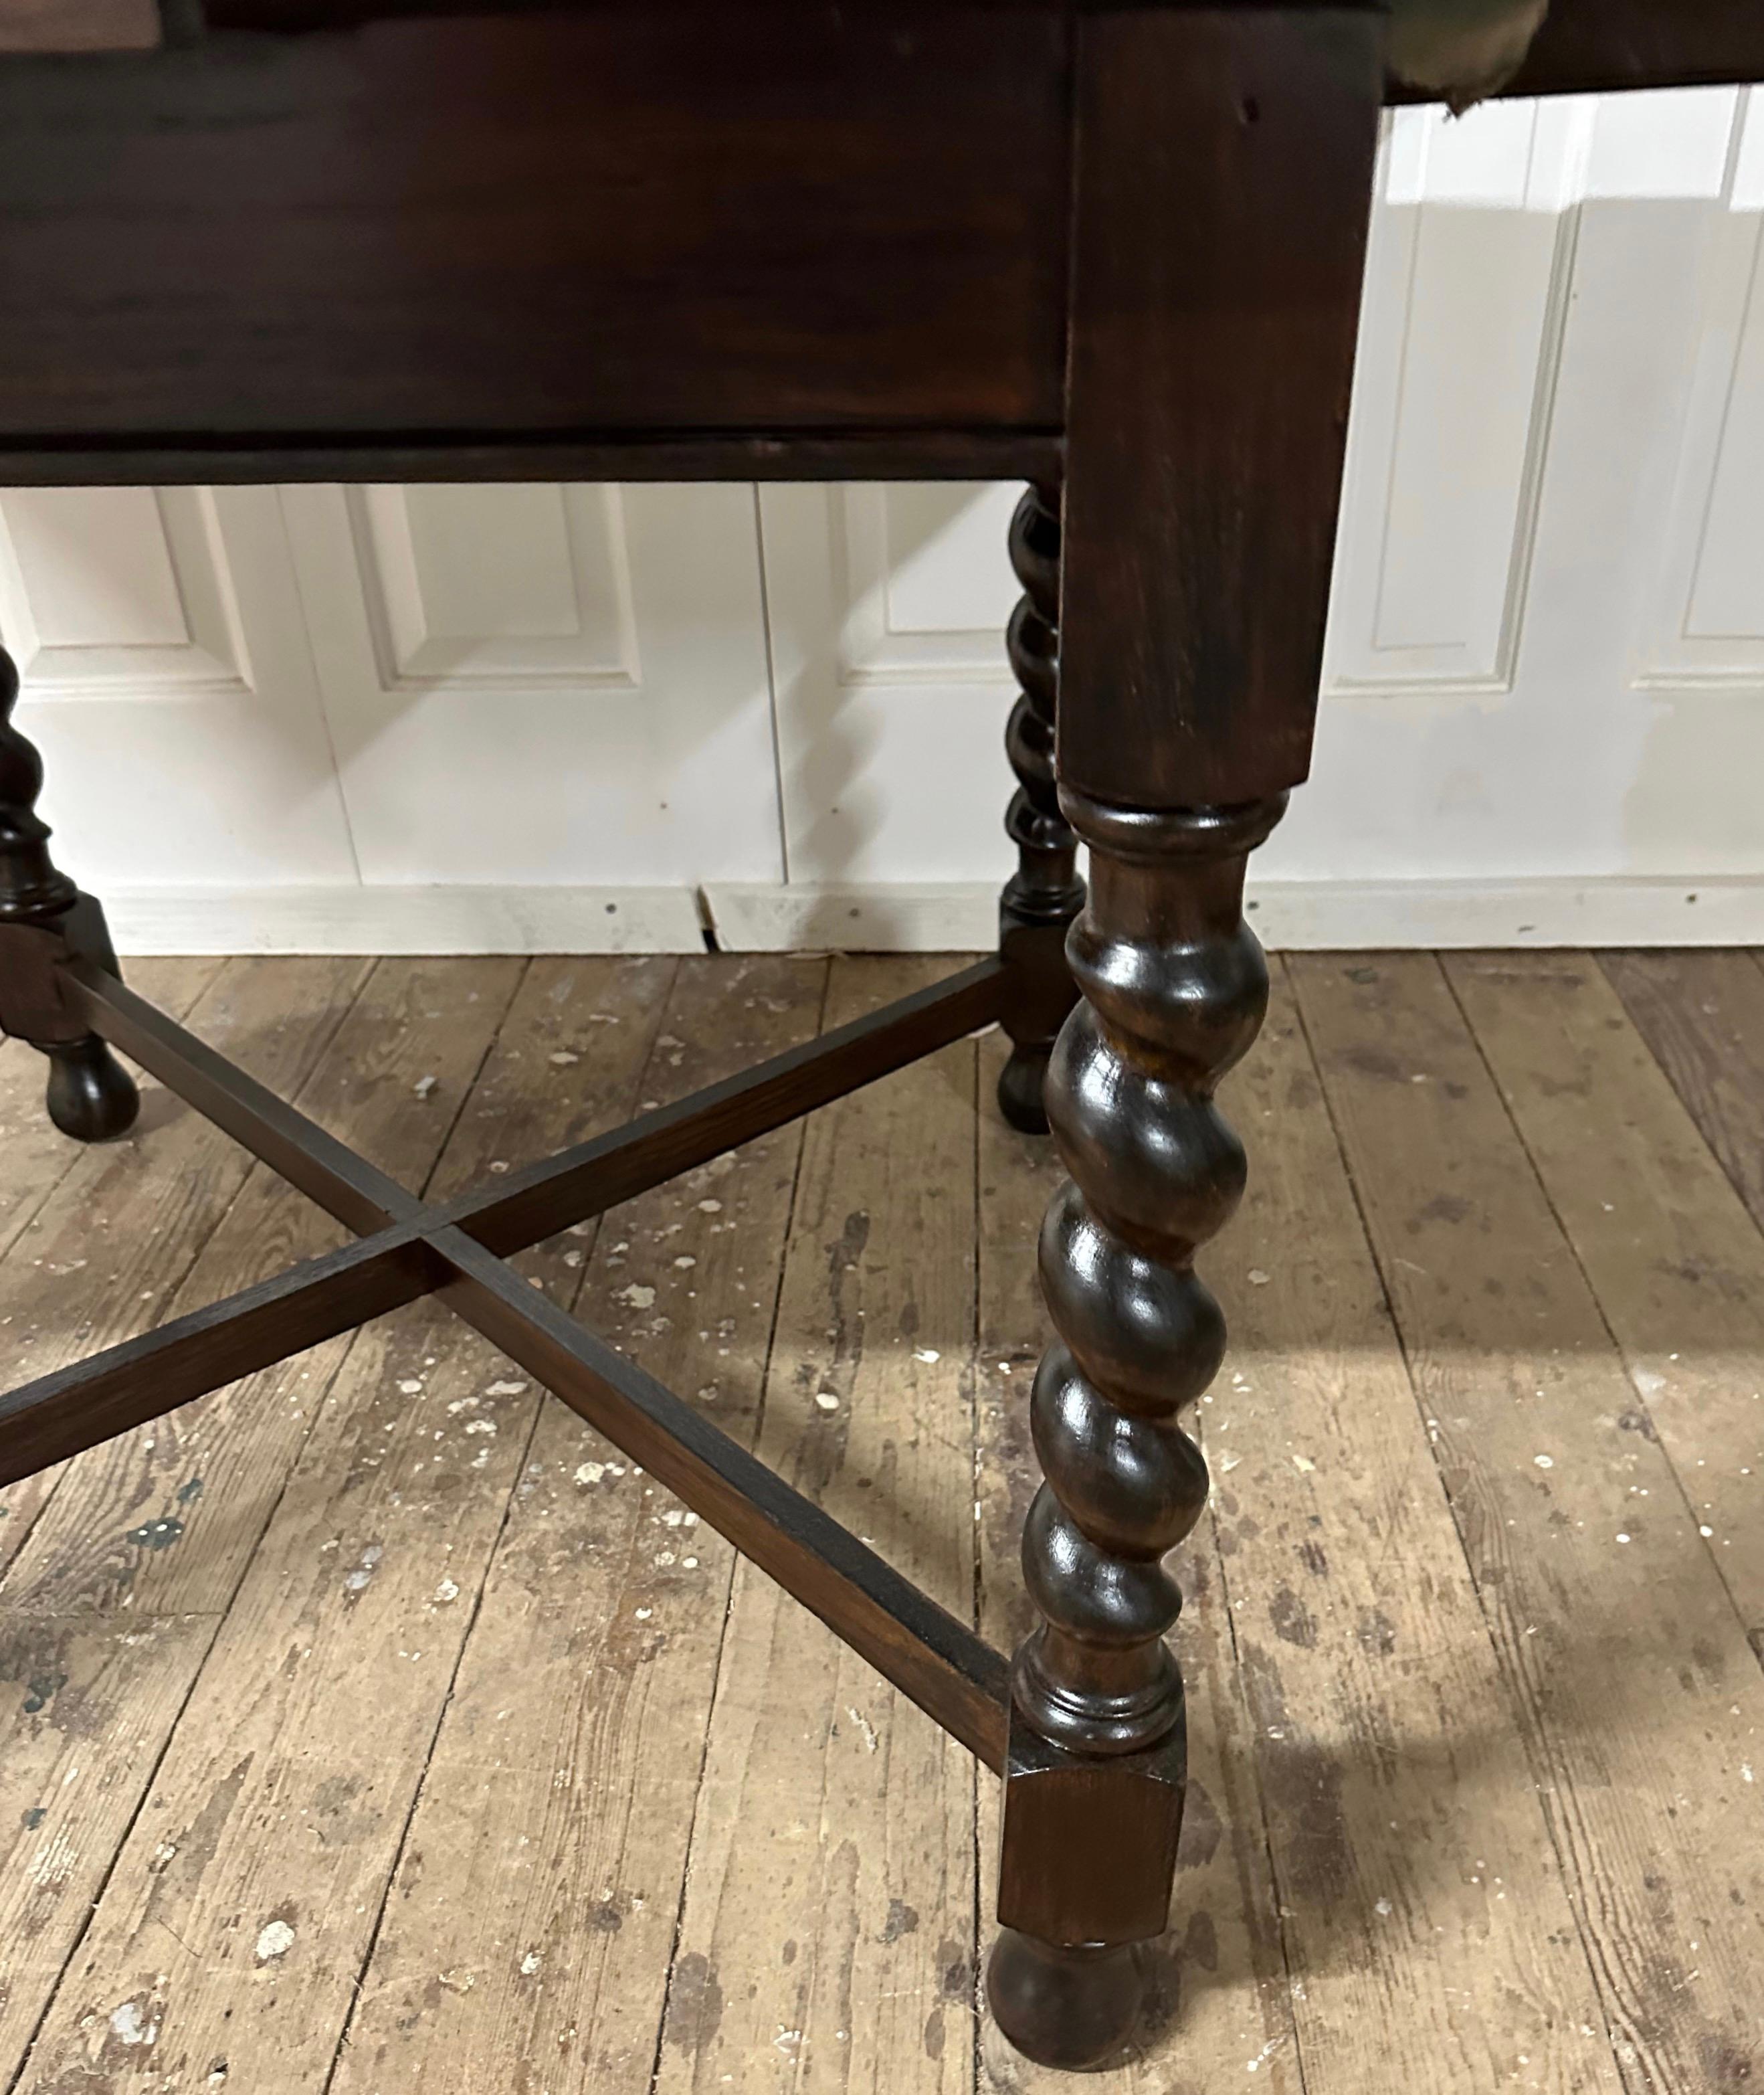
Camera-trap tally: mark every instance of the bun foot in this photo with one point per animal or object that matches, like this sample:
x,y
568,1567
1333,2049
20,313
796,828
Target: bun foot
x,y
91,1095
1074,2009
1020,1083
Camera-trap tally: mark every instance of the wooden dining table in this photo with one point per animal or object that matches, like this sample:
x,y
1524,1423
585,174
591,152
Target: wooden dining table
x,y
1112,249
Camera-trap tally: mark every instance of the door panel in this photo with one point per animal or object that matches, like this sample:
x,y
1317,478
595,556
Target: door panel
x,y
889,606
167,681
539,685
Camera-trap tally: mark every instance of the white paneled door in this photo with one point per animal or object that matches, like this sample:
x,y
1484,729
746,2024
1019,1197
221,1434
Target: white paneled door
x,y
421,718
540,687
888,607
1545,673
168,682
530,716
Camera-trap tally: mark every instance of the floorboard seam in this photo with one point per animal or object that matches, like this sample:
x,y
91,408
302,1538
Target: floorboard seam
x,y
52,1994
491,1554
801,1128
467,1089
977,1572
74,1150
169,1297
1691,1114
360,1979
1576,1904
314,1409
1617,1348
1262,1799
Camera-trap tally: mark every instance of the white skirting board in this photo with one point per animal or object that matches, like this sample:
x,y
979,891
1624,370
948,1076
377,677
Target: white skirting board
x,y
1294,916
1288,916
346,919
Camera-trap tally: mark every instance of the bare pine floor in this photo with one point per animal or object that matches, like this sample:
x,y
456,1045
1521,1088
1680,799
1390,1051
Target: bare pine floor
x,y
372,1725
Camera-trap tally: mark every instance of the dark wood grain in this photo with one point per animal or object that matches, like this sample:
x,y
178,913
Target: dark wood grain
x,y
1583,46
571,222
210,460
1223,184
1224,181
465,241
1174,988
1114,247
1587,46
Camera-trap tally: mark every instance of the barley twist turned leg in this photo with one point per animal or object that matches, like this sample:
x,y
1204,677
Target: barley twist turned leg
x,y
1044,894
1174,988
43,916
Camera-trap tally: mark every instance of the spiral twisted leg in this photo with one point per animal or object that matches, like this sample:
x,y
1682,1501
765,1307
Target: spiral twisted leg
x,y
43,916
1044,894
1174,988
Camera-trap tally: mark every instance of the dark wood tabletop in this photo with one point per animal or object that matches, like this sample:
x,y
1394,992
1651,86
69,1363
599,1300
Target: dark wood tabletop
x,y
389,237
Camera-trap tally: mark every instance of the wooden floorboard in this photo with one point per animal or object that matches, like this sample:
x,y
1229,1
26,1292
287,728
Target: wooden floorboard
x,y
826,1938
169,1524
108,1250
371,1725
1702,1014
1431,1938
1667,1246
561,1785
1628,1671
38,1155
119,1234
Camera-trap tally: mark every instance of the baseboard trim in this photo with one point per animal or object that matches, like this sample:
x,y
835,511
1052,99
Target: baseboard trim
x,y
1294,916
405,920
875,917
853,917
1299,916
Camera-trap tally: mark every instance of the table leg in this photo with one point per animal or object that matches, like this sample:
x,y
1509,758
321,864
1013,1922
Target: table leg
x,y
1222,185
1044,894
1174,988
42,915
